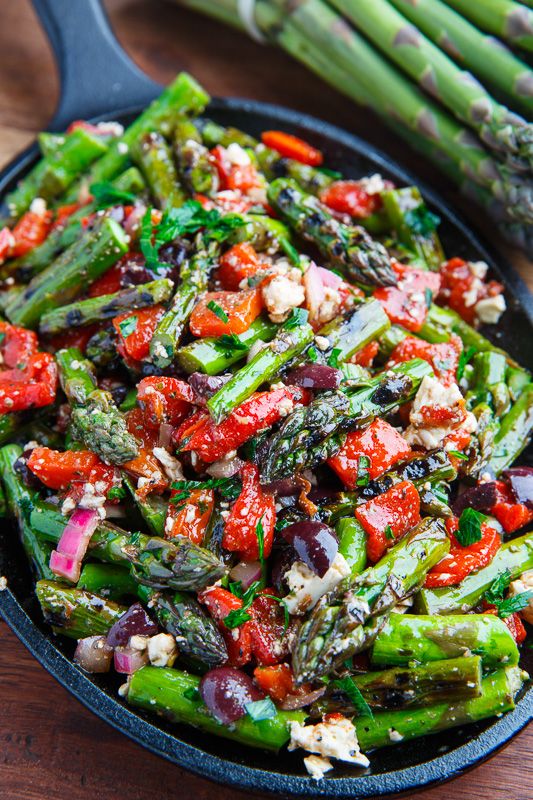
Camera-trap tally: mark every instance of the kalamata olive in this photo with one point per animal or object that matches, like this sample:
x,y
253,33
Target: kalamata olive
x,y
135,621
133,271
205,386
226,691
282,561
315,543
520,480
314,376
481,497
172,254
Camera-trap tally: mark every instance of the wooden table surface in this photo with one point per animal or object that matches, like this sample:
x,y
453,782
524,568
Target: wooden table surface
x,y
51,747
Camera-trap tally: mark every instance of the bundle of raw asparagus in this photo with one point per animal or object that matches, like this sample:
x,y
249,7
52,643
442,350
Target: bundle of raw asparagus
x,y
407,60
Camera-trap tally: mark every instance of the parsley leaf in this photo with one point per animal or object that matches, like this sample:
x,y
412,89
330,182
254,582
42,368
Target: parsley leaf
x,y
464,358
116,493
363,477
240,615
261,709
128,326
457,454
515,603
260,533
333,359
297,318
106,195
230,344
469,530
428,296
421,220
228,488
389,533
218,311
498,587
282,603
312,354
353,693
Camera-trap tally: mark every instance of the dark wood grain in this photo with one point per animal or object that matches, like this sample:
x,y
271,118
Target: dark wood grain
x,y
51,747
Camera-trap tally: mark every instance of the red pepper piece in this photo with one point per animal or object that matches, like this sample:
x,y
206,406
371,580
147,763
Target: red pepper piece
x,y
510,514
164,399
190,518
277,681
238,263
136,345
366,356
380,442
461,561
350,197
30,231
7,243
16,345
443,357
292,147
252,506
32,386
234,312
388,517
270,639
58,470
513,622
238,640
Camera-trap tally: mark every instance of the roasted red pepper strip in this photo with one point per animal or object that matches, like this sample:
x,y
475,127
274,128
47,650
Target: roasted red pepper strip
x,y
30,231
292,147
135,338
7,243
238,640
461,561
218,313
59,470
32,386
443,357
191,517
164,399
145,466
350,197
462,289
388,517
276,681
366,355
409,309
211,441
253,506
16,345
510,514
270,639
513,622
380,442
238,263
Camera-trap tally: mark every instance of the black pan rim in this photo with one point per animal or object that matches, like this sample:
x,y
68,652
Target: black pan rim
x,y
195,759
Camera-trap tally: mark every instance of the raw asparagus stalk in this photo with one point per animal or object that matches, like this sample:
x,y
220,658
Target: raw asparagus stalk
x,y
260,369
399,688
499,128
515,556
171,692
312,433
107,306
504,18
56,171
412,637
349,248
71,273
183,97
153,156
414,226
19,499
484,55
107,580
95,419
196,167
214,356
158,563
63,236
352,543
74,612
336,628
194,277
388,727
514,432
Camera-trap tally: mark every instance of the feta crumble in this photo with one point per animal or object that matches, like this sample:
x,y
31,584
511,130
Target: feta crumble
x,y
433,393
333,738
306,587
170,464
489,310
524,584
162,650
317,766
280,296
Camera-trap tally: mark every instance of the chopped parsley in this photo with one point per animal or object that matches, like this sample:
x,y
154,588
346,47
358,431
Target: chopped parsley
x,y
464,358
107,195
513,604
128,326
389,533
469,530
298,317
192,693
349,688
421,220
363,477
230,344
240,615
333,359
312,354
116,493
260,533
498,587
457,454
218,311
229,488
495,596
261,709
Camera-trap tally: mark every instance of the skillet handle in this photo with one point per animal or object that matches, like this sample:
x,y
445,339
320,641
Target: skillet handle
x,y
97,76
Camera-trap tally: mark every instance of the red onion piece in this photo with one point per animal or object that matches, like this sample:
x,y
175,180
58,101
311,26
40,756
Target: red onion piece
x,y
205,386
293,701
226,691
246,572
135,621
481,497
520,479
128,659
315,543
225,467
314,290
72,546
93,654
314,376
329,278
165,434
284,487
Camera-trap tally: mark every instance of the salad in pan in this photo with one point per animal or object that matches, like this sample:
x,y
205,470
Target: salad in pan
x,y
259,454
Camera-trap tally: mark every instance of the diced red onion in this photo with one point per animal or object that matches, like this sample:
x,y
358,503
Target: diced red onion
x,y
294,701
93,654
481,497
314,290
520,479
314,376
246,572
315,543
225,467
205,386
72,546
226,692
128,659
329,278
134,622
165,434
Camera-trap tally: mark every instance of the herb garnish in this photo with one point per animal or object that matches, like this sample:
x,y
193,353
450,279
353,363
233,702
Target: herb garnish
x,y
298,317
457,454
464,358
363,477
218,311
469,530
333,359
261,709
128,326
353,693
229,488
105,195
230,343
421,220
495,592
389,533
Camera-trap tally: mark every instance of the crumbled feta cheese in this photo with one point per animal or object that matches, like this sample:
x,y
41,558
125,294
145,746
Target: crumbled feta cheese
x,y
334,738
69,505
38,206
306,587
478,269
394,735
237,155
433,393
170,464
160,351
373,184
489,310
162,650
317,766
472,293
280,296
90,498
322,342
285,406
524,584
138,642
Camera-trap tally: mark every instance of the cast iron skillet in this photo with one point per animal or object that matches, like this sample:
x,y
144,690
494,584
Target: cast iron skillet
x,y
97,79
